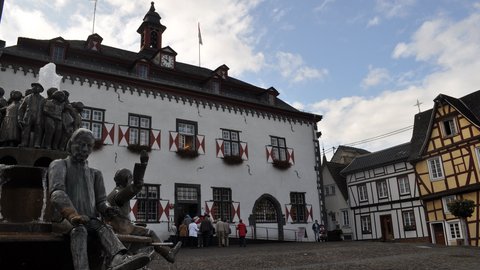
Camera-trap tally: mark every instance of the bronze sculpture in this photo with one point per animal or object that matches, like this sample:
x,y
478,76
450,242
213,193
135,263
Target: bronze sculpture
x,y
30,117
77,193
10,131
52,110
127,187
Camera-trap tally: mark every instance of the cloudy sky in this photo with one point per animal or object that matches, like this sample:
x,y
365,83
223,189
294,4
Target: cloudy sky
x,y
362,64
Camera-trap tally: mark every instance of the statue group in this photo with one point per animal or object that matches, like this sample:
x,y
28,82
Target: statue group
x,y
35,121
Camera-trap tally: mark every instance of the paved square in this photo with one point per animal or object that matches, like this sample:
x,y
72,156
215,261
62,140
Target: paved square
x,y
330,255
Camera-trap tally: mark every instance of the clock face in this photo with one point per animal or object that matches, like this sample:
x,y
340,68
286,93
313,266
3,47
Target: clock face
x,y
167,61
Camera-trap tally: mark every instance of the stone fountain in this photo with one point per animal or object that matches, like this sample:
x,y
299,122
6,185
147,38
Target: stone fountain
x,y
26,237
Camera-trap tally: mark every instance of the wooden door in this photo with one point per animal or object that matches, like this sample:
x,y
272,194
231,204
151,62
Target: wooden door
x,y
387,229
438,233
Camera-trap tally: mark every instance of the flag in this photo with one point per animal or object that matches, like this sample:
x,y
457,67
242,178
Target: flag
x,y
199,35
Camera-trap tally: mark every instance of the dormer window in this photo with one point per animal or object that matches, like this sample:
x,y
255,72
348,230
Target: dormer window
x,y
216,87
58,53
142,71
449,127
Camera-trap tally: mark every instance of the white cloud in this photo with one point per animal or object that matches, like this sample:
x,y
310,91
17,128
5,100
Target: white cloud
x,y
373,21
323,5
394,8
375,77
293,67
227,35
450,47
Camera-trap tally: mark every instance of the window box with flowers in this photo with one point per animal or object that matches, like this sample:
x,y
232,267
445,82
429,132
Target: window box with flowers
x,y
279,154
232,160
185,141
137,148
230,148
138,135
187,153
281,164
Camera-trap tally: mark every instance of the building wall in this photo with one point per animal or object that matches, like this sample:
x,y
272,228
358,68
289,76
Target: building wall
x,y
335,205
393,205
460,165
248,181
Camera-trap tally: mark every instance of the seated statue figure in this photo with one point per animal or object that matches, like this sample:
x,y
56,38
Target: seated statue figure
x,y
127,187
78,196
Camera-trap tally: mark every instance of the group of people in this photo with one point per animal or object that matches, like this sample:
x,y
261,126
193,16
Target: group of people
x,y
82,208
200,231
35,121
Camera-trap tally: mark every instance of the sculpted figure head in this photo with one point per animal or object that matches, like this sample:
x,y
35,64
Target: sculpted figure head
x,y
81,144
37,88
123,177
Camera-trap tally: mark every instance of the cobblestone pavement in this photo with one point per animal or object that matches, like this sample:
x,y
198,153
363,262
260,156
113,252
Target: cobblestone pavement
x,y
330,255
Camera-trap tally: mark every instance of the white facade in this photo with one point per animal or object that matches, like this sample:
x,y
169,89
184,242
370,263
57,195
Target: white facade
x,y
249,181
339,214
385,203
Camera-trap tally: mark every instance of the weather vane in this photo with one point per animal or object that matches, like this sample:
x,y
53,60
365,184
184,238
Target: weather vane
x,y
94,12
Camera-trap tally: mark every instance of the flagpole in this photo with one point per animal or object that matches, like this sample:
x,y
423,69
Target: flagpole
x,y
200,42
94,12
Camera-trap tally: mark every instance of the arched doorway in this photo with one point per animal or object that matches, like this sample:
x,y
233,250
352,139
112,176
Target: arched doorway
x,y
267,210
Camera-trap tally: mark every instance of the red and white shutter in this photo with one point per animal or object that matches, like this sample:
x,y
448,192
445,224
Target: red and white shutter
x,y
134,207
288,211
244,150
268,149
108,131
155,139
123,135
201,144
236,211
163,210
309,213
209,209
173,141
290,156
220,148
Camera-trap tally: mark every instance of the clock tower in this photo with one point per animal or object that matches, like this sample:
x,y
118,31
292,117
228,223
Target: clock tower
x,y
151,31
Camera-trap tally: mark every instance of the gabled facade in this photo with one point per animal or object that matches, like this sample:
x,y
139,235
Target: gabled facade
x,y
338,214
446,160
384,198
217,145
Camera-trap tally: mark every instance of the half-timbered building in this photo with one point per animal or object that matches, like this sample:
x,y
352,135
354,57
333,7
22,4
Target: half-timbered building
x,y
446,156
217,145
384,198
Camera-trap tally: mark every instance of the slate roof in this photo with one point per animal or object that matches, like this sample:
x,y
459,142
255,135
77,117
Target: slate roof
x,y
335,169
384,157
119,62
468,106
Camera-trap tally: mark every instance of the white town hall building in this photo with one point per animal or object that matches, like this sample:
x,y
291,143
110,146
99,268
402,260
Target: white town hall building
x,y
217,145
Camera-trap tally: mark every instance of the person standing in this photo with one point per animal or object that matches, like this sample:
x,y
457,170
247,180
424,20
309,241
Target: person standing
x,y
220,229
242,233
316,230
183,233
206,228
227,233
192,234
